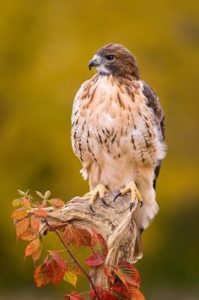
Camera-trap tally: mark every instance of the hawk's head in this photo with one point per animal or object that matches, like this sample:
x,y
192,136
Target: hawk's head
x,y
115,59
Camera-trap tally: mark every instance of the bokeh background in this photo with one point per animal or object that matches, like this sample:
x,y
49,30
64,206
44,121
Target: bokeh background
x,y
45,46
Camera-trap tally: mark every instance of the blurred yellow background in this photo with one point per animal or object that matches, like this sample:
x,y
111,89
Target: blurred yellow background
x,y
44,52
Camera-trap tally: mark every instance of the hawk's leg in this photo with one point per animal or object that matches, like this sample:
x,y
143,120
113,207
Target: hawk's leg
x,y
134,194
100,191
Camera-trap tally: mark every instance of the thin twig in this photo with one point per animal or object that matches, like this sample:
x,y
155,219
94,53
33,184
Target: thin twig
x,y
73,258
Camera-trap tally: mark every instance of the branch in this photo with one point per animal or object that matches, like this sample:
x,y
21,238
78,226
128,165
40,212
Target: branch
x,y
113,220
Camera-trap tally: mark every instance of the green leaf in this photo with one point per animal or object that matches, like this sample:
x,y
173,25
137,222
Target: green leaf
x,y
71,278
21,193
16,202
39,194
47,195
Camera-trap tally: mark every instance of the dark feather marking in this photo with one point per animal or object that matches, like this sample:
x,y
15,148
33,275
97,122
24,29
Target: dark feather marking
x,y
100,139
133,142
153,103
113,139
147,143
83,126
120,101
156,173
89,150
139,112
149,133
80,151
142,157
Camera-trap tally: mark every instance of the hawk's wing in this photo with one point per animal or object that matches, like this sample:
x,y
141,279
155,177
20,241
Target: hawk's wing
x,y
159,118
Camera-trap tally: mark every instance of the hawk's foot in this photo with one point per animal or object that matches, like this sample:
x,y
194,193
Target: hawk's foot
x,y
134,194
100,191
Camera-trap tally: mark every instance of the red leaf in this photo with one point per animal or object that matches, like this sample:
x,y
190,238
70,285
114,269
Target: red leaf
x,y
40,276
73,296
40,212
85,236
95,260
103,294
52,270
121,291
136,294
98,244
19,214
128,274
58,203
22,226
56,268
33,247
76,236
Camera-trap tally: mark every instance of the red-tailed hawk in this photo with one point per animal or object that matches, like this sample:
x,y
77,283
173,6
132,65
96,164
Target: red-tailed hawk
x,y
118,132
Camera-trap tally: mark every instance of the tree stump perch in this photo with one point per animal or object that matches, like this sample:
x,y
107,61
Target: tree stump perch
x,y
113,220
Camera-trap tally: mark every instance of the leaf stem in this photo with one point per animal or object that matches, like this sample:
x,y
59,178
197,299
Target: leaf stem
x,y
73,258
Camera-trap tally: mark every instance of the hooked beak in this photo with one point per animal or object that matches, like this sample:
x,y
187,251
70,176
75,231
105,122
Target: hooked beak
x,y
94,62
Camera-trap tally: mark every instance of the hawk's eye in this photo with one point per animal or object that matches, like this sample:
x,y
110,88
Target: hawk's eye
x,y
109,57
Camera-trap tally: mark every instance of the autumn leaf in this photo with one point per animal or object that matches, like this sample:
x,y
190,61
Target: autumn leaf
x,y
40,276
76,236
58,203
36,255
26,203
128,274
98,244
121,291
85,236
136,294
40,212
22,226
56,268
73,267
35,223
73,296
52,270
71,278
103,294
95,260
33,247
29,235
19,214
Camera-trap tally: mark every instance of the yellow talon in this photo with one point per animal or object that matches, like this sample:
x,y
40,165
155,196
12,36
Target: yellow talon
x,y
135,194
100,191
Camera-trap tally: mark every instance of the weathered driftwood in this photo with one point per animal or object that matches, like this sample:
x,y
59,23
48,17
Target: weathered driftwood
x,y
113,220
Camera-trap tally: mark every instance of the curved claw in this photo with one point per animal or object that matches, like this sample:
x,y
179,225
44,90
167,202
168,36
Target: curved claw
x,y
91,208
141,203
104,202
117,196
132,204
